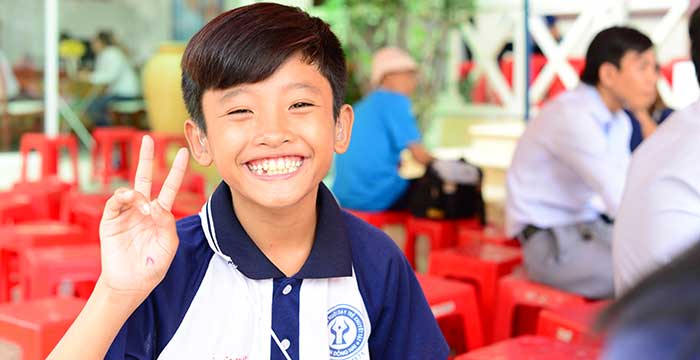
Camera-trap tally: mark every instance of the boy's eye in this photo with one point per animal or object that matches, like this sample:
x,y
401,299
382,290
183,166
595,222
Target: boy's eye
x,y
239,112
300,105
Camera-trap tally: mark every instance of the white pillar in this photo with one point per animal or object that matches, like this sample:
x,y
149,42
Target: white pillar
x,y
51,67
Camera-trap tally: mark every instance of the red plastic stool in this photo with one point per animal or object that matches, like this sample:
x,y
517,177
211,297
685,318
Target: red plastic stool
x,y
48,148
19,237
440,233
15,208
516,291
85,210
37,326
532,348
106,139
186,204
488,234
479,264
448,298
572,324
381,218
43,269
45,194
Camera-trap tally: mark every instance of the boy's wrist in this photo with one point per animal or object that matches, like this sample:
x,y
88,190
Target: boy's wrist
x,y
119,300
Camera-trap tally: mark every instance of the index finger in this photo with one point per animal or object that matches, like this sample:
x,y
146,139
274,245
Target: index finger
x,y
144,170
172,183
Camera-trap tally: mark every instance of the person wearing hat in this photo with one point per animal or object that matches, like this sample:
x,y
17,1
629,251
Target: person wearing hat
x,y
367,175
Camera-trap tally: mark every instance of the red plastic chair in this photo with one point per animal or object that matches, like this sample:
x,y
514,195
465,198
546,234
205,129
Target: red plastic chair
x,y
481,265
532,348
516,292
19,237
106,139
44,269
37,326
440,233
448,298
381,218
48,149
572,324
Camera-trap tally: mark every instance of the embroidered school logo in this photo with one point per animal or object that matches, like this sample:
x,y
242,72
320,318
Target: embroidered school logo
x,y
346,331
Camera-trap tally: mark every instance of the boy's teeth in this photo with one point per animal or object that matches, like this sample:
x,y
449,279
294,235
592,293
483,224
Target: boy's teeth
x,y
277,166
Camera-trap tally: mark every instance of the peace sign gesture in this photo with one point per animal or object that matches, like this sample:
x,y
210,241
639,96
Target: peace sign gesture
x,y
138,236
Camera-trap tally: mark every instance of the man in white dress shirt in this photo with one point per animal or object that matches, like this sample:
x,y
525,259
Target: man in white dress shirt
x,y
568,171
659,215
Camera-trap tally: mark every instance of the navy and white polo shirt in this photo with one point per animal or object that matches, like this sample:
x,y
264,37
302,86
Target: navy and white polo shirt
x,y
355,298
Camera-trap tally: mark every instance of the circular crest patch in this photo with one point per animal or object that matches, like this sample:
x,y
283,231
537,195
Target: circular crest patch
x,y
346,331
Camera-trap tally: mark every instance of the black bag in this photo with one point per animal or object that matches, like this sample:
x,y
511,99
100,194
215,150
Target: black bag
x,y
437,198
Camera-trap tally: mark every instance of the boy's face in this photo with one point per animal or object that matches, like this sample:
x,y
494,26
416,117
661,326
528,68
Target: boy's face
x,y
634,82
272,141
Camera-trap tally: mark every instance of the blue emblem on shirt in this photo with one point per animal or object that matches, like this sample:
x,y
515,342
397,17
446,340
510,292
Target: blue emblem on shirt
x,y
346,331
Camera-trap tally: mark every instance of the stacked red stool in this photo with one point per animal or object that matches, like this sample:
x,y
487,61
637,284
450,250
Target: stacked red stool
x,y
453,299
15,208
48,149
479,264
516,292
37,326
572,324
489,234
19,237
43,269
46,196
162,142
381,219
186,204
106,139
441,234
532,348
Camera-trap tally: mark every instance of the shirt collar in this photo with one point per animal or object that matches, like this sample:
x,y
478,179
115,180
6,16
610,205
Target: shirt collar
x,y
330,253
598,108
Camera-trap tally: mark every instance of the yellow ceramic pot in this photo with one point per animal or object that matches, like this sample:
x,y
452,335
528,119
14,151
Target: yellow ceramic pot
x,y
161,89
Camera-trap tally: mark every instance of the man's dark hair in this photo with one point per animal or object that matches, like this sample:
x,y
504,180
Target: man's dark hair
x,y
106,37
694,32
609,46
248,44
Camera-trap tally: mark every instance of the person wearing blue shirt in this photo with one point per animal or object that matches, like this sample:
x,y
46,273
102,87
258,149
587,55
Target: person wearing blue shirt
x,y
568,171
271,267
367,174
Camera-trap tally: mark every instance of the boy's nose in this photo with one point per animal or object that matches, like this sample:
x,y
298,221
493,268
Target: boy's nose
x,y
272,132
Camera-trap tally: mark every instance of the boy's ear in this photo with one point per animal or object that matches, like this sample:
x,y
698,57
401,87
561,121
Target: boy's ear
x,y
199,146
343,129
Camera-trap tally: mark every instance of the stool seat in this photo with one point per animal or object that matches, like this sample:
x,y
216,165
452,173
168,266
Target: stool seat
x,y
572,324
479,264
449,298
45,194
488,234
85,210
19,237
515,291
37,326
43,269
532,348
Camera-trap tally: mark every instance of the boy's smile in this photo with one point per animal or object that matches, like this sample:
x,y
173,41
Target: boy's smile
x,y
279,133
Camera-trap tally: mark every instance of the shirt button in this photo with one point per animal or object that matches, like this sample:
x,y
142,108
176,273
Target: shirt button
x,y
285,344
287,289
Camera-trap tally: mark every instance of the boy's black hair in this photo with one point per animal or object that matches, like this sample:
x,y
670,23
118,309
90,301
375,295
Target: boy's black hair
x,y
609,46
694,32
248,44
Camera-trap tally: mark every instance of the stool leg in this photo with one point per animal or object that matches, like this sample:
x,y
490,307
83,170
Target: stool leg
x,y
409,247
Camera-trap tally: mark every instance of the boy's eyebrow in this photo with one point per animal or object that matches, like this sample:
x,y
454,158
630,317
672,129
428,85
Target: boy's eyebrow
x,y
302,86
231,93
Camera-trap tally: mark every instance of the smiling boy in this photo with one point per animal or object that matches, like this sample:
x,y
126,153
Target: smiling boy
x,y
271,268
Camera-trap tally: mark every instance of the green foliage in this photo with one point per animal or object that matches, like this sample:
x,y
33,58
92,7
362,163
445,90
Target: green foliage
x,y
421,27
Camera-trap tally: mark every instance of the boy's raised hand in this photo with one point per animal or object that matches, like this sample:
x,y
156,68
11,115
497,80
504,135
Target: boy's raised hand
x,y
138,236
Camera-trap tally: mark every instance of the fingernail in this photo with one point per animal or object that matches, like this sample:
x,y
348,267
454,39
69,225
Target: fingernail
x,y
145,209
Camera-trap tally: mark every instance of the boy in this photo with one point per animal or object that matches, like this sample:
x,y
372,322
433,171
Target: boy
x,y
271,268
385,127
569,166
